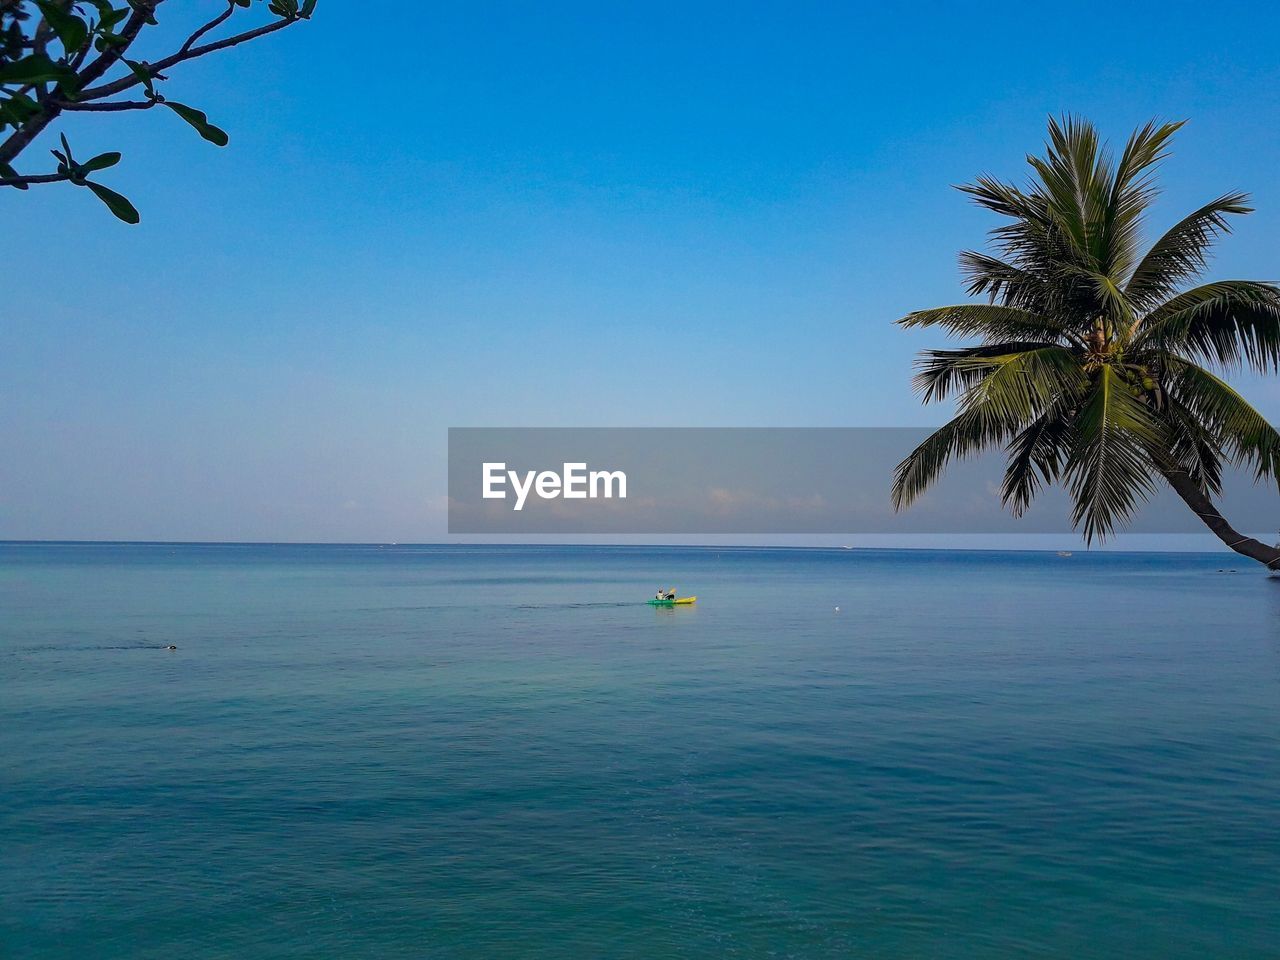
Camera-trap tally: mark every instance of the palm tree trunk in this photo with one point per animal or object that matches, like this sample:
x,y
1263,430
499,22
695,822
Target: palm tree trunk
x,y
1203,507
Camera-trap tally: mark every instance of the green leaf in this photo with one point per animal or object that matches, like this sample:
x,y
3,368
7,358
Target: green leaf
x,y
100,162
308,8
71,30
36,68
19,108
117,204
108,40
141,73
8,172
109,15
198,120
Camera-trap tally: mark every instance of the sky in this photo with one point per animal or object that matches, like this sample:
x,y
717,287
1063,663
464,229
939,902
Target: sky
x,y
694,214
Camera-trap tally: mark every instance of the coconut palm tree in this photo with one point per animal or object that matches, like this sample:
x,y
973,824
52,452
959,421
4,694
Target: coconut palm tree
x,y
1095,366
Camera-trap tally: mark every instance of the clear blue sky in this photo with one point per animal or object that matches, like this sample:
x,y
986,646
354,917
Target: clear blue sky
x,y
563,214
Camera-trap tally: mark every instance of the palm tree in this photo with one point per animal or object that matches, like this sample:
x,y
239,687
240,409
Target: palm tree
x,y
1095,364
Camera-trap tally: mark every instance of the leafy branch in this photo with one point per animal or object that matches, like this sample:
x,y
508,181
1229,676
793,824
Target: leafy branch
x,y
70,56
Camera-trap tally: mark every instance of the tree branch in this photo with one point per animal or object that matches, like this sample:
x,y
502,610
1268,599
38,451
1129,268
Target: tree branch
x,y
124,83
222,18
34,178
19,139
66,84
49,110
111,56
110,107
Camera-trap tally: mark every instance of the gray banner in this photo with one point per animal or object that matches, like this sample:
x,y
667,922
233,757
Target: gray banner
x,y
758,480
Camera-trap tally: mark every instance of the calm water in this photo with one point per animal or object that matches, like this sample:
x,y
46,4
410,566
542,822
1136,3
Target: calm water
x,y
484,752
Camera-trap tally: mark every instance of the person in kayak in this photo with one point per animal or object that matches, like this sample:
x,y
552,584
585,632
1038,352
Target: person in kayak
x,y
661,594
671,594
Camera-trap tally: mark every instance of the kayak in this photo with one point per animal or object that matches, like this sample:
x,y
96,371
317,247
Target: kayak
x,y
672,603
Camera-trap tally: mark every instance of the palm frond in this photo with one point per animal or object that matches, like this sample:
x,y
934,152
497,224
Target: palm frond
x,y
1036,456
1025,376
1071,175
990,321
1002,198
1037,276
1107,299
1227,323
1193,448
1244,433
1023,383
1132,191
1108,469
941,373
998,280
1182,253
1147,146
1006,392
965,434
1065,235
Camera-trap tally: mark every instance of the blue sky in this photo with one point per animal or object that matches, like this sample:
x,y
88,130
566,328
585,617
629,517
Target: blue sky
x,y
564,214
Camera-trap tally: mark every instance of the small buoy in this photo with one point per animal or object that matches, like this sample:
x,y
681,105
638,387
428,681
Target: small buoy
x,y
171,647
837,609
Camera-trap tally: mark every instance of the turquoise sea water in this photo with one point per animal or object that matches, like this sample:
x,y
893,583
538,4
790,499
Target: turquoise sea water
x,y
483,752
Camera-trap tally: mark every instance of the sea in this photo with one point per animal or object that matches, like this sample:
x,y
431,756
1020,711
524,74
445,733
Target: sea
x,y
490,751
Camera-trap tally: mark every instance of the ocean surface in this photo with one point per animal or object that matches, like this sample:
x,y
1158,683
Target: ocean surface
x,y
490,752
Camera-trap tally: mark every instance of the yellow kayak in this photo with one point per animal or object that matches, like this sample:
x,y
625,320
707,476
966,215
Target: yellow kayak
x,y
673,603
